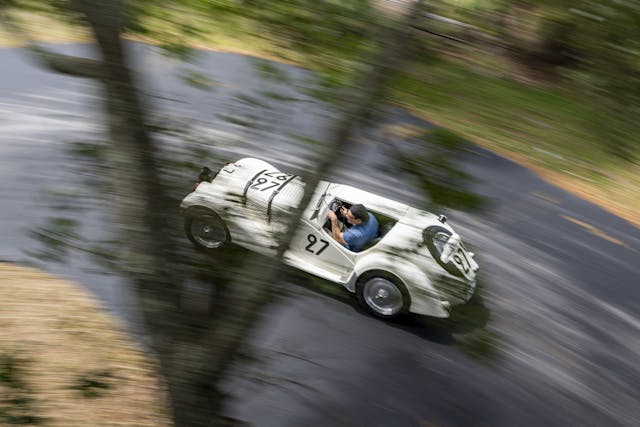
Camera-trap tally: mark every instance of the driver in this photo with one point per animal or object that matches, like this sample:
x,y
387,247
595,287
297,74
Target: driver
x,y
362,227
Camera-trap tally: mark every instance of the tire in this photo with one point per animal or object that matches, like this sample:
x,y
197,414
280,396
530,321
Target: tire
x,y
206,230
434,238
382,294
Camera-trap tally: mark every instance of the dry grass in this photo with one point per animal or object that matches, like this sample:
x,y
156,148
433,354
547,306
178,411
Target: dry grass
x,y
60,335
44,29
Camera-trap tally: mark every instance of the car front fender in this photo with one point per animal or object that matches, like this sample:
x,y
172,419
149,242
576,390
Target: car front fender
x,y
424,297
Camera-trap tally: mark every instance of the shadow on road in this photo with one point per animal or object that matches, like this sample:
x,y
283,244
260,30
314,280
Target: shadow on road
x,y
466,328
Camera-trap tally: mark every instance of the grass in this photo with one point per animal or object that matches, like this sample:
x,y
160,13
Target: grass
x,y
64,362
550,130
43,29
503,114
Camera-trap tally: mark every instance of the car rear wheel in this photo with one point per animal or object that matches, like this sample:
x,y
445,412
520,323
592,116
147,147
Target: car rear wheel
x,y
206,230
383,295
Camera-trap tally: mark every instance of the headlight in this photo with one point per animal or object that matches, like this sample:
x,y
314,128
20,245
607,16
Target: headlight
x,y
471,286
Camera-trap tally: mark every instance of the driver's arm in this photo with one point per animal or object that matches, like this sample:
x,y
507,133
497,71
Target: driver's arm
x,y
335,228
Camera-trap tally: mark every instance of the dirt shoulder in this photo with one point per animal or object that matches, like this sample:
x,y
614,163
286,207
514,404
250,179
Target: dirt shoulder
x,y
621,201
591,193
65,362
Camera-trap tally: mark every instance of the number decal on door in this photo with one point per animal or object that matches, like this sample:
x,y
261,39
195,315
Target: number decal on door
x,y
312,241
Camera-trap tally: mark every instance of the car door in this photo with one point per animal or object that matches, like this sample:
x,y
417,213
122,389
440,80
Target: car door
x,y
315,251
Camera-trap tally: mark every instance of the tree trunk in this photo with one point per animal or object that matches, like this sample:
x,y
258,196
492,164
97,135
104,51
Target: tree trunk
x,y
193,364
251,292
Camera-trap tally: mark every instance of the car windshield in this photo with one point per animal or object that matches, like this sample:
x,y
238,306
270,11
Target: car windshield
x,y
320,204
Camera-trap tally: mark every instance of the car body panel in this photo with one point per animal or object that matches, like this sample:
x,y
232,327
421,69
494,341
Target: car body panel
x,y
254,199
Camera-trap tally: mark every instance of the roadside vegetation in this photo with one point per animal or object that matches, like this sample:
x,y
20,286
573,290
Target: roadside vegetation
x,y
363,60
549,130
64,362
502,91
196,344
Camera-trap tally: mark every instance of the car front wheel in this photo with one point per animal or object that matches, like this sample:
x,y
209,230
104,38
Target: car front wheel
x,y
383,295
206,230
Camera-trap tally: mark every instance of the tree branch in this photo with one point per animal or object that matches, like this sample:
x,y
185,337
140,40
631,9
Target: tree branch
x,y
254,289
61,63
68,64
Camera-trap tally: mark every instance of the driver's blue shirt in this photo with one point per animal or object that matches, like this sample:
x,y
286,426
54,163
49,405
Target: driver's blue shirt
x,y
357,236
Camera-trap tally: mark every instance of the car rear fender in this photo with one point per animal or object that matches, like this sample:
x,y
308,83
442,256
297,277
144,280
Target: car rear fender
x,y
195,199
201,198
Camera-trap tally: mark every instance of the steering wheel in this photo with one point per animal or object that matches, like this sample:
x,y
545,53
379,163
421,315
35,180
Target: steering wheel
x,y
335,206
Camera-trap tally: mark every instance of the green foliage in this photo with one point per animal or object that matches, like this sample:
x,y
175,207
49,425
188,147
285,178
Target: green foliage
x,y
592,46
554,127
268,71
431,159
59,9
57,237
330,36
88,150
277,96
198,80
164,23
94,383
16,405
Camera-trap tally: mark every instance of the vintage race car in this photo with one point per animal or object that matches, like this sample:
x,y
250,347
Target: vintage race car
x,y
417,264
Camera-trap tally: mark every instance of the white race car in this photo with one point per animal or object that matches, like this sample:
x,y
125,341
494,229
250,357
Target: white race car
x,y
417,264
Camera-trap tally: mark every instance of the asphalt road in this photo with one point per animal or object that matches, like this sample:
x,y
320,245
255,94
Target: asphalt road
x,y
552,340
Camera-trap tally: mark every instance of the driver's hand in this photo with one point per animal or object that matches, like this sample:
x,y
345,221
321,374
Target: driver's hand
x,y
331,215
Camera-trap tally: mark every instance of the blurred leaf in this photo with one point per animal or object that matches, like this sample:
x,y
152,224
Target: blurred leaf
x,y
198,80
57,237
93,383
432,159
268,70
16,404
251,101
277,96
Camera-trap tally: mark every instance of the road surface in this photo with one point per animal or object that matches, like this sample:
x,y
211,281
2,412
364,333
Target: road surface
x,y
551,340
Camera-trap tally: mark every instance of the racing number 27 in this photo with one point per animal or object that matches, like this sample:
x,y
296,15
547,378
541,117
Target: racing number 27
x,y
262,181
461,259
276,178
312,241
